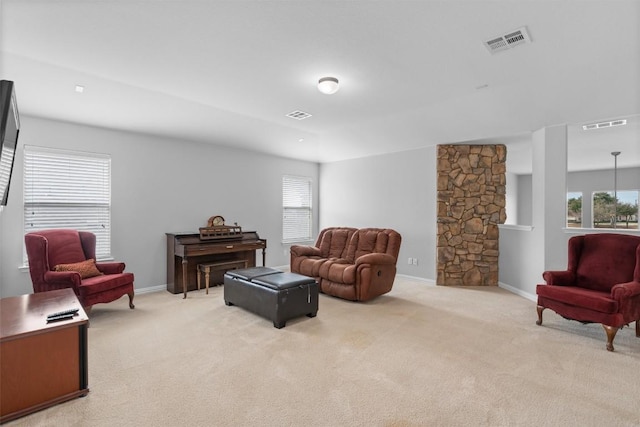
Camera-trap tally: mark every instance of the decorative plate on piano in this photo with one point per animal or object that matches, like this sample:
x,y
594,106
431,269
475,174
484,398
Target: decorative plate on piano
x,y
216,229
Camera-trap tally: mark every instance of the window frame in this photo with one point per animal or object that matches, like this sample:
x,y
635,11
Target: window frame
x,y
616,194
303,210
581,197
68,189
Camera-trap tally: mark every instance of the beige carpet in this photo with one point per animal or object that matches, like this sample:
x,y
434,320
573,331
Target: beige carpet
x,y
419,356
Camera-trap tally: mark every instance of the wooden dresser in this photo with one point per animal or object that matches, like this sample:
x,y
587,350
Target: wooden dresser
x,y
41,364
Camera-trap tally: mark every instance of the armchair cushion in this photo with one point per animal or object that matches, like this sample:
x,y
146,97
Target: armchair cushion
x,y
95,285
64,248
581,297
606,259
86,268
110,267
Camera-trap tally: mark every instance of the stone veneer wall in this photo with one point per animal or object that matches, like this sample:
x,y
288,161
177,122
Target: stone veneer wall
x,y
471,204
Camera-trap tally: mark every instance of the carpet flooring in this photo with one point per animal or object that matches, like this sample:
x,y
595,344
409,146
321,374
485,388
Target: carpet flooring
x,y
419,356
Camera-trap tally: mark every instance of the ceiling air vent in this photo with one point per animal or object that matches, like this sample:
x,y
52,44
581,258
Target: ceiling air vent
x,y
507,41
604,124
298,115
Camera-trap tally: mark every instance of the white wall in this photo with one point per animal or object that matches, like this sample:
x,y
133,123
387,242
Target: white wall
x,y
526,253
525,200
159,186
511,198
162,185
518,197
388,191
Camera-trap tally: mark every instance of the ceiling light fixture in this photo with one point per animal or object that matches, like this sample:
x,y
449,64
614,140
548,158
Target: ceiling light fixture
x,y
79,88
615,155
328,85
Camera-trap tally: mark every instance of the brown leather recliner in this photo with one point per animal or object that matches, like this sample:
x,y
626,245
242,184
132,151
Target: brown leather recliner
x,y
350,263
601,283
61,259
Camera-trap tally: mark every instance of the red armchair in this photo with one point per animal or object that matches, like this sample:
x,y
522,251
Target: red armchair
x,y
601,283
66,259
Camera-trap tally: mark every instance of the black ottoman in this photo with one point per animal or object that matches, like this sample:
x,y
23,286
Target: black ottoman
x,y
273,294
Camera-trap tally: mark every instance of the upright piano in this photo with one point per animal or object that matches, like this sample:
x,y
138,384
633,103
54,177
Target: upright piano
x,y
186,250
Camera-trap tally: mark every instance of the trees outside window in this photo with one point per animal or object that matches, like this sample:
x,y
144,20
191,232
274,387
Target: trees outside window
x,y
574,210
611,213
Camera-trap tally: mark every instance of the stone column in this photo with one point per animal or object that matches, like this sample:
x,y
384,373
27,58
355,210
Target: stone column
x,y
471,204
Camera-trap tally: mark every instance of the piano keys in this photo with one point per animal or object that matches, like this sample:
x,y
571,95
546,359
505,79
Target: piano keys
x,y
186,250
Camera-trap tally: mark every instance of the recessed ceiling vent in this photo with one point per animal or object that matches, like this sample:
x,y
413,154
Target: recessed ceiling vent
x,y
507,41
298,115
604,124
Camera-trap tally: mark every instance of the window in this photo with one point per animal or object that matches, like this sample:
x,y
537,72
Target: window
x,y
296,209
574,209
609,214
65,189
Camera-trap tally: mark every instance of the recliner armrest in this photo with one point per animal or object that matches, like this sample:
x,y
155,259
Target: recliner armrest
x,y
623,291
63,279
110,267
559,278
303,250
376,258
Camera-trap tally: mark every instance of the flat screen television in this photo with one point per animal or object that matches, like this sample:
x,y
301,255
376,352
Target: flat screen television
x,y
10,127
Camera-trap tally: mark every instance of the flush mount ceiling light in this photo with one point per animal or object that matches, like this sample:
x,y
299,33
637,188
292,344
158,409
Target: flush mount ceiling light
x,y
79,88
328,85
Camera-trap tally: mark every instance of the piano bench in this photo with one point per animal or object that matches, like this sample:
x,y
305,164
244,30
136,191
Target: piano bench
x,y
272,294
207,268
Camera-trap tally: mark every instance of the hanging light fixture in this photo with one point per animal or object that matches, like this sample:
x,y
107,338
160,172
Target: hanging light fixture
x,y
328,85
615,155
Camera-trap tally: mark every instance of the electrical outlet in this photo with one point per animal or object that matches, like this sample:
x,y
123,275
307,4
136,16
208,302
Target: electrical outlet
x,y
415,261
410,261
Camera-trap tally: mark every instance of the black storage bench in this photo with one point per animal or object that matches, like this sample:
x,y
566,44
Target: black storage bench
x,y
273,294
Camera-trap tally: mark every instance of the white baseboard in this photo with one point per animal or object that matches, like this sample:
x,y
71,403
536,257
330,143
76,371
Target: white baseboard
x,y
430,282
433,283
150,289
517,291
417,279
504,286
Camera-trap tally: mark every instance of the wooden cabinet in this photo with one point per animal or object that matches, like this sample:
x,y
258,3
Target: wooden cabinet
x,y
41,364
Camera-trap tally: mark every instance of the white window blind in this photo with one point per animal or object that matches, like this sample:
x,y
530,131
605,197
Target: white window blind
x,y
296,209
64,189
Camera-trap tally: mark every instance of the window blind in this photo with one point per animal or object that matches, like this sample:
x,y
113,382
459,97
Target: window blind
x,y
296,209
65,189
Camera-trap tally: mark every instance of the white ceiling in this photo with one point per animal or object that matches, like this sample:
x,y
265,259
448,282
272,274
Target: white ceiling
x,y
412,73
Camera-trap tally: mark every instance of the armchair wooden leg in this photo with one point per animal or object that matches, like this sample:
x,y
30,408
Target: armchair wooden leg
x,y
638,328
611,334
131,300
540,309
